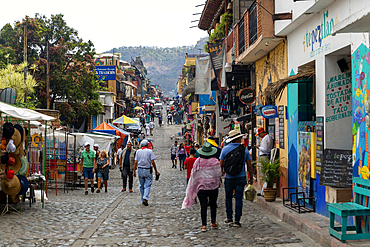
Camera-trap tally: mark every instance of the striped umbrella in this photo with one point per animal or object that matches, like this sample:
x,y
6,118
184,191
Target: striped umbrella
x,y
124,120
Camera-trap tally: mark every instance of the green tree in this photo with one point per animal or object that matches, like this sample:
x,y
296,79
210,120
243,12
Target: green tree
x,y
73,85
12,76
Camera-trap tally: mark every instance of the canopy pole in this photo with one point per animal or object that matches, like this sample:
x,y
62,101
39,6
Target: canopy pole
x,y
43,184
29,147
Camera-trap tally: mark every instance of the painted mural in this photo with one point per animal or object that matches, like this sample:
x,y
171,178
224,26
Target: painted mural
x,y
361,70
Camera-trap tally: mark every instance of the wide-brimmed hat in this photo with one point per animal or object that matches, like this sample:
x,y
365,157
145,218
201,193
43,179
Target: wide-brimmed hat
x,y
11,186
213,142
17,162
259,131
234,134
207,149
24,184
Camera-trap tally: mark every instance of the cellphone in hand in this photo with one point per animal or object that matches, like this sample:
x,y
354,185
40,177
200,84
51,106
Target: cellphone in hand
x,y
156,177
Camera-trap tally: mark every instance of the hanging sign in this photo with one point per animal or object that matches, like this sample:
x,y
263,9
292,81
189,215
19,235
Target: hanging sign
x,y
269,111
247,96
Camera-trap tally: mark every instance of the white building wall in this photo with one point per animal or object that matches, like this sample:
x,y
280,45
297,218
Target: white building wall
x,y
302,51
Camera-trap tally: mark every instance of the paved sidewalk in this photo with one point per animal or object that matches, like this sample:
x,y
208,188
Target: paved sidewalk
x,y
313,225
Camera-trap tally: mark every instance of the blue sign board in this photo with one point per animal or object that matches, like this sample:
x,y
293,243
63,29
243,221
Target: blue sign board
x,y
106,73
269,111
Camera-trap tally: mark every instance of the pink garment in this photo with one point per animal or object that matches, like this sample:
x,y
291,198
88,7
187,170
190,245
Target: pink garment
x,y
205,175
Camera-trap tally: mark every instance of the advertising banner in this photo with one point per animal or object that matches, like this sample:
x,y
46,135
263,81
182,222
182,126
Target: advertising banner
x,y
203,75
106,73
217,53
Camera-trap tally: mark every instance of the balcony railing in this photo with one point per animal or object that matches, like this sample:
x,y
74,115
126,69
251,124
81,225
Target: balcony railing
x,y
229,42
252,17
241,35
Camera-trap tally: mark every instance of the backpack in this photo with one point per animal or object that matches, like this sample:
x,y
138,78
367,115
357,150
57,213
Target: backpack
x,y
234,161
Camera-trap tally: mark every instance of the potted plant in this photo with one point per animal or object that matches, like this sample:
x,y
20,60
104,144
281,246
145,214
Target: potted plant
x,y
270,172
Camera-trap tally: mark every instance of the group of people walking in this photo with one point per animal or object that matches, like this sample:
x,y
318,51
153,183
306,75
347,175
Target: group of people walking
x,y
208,164
94,162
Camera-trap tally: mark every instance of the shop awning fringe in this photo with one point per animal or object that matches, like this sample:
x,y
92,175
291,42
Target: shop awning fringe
x,y
190,88
276,89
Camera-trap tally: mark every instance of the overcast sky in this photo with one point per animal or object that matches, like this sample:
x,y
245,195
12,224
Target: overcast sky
x,y
115,23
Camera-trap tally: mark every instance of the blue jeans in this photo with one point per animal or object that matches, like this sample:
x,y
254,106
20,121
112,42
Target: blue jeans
x,y
236,184
145,179
182,158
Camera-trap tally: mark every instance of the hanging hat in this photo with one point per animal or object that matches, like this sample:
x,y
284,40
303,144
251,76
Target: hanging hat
x,y
24,166
24,184
207,149
16,166
8,130
212,142
234,134
259,131
11,186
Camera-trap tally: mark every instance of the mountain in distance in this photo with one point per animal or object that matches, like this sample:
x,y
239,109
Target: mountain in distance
x,y
163,64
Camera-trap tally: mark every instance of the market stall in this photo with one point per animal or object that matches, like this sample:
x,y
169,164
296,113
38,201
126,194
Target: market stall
x,y
15,172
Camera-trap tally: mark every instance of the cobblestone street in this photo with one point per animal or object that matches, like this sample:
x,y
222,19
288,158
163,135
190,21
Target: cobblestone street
x,y
119,219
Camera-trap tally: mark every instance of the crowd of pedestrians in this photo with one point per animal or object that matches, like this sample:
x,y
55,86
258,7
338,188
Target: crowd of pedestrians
x,y
205,167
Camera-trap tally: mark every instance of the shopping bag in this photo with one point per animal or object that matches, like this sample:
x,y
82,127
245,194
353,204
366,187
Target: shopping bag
x,y
250,193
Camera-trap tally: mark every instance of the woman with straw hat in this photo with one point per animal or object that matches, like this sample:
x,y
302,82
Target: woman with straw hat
x,y
204,182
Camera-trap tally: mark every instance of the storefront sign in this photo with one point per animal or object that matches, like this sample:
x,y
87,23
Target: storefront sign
x,y
337,168
313,39
319,143
106,73
339,97
269,111
247,96
281,127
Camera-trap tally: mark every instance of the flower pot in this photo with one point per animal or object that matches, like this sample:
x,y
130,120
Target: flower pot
x,y
269,194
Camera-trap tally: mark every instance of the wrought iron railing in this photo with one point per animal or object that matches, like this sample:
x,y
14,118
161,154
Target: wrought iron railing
x,y
241,33
253,30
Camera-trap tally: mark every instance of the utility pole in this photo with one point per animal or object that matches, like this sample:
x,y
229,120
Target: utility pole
x,y
47,77
25,57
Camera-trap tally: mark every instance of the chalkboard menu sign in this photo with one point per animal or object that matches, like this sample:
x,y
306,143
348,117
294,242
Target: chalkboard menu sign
x,y
337,168
319,143
281,126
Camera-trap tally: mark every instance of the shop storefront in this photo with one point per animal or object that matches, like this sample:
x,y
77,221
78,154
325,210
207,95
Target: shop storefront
x,y
319,105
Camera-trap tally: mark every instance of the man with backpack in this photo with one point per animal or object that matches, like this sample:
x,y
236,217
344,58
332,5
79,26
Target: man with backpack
x,y
232,160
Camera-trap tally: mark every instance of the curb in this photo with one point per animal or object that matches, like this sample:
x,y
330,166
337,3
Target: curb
x,y
304,225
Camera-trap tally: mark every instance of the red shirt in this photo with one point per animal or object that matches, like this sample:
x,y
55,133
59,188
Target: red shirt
x,y
187,149
189,162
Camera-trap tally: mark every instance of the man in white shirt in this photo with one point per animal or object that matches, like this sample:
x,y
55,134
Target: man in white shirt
x,y
264,149
144,160
168,108
151,127
147,129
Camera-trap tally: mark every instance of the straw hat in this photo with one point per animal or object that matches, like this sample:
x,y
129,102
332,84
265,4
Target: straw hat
x,y
234,134
17,162
11,186
207,149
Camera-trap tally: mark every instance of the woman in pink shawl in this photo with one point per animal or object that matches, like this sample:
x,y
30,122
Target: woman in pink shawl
x,y
204,181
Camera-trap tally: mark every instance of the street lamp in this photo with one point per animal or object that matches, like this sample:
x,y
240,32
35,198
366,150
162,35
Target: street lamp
x,y
228,67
